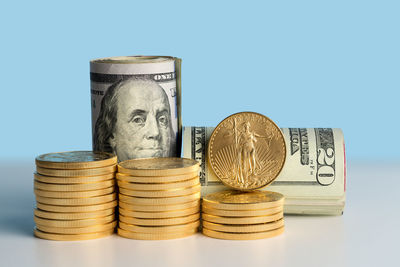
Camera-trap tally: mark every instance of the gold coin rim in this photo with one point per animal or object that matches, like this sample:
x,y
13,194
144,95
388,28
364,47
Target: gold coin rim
x,y
158,201
73,223
72,215
77,201
74,194
161,193
76,172
66,237
244,228
242,213
159,229
159,215
160,222
153,187
159,208
241,236
78,230
241,220
156,179
72,180
145,236
84,208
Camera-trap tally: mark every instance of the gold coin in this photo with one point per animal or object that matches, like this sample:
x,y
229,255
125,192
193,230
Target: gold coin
x,y
163,236
73,215
159,208
243,236
159,215
76,201
73,187
77,173
77,230
160,229
160,222
165,186
78,194
76,160
67,209
73,223
244,228
158,200
73,180
158,166
156,179
242,220
247,151
237,200
162,193
63,237
242,213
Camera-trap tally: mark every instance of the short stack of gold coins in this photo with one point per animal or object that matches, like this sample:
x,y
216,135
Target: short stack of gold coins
x,y
159,198
238,215
75,194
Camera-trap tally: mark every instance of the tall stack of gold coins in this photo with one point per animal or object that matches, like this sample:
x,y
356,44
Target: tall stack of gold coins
x,y
75,194
247,152
159,198
238,215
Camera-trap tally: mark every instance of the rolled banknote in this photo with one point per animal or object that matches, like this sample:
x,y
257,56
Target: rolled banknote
x,y
313,178
136,106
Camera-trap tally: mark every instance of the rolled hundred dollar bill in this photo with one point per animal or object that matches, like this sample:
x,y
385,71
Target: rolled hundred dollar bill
x,y
136,106
312,180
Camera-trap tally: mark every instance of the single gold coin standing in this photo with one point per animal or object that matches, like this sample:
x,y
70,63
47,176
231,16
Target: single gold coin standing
x,y
243,228
159,208
77,230
247,151
76,172
68,209
76,201
161,193
159,200
73,180
160,229
160,222
242,213
76,160
158,166
74,194
72,215
242,220
159,215
243,236
165,186
156,179
239,200
74,187
158,236
67,237
73,223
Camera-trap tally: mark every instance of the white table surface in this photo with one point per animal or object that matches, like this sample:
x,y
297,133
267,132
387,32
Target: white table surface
x,y
367,234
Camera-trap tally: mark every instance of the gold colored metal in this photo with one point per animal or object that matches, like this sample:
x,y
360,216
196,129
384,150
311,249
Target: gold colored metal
x,y
73,194
247,151
73,215
162,193
159,208
76,201
158,166
244,228
163,236
68,209
242,220
239,200
156,179
73,187
78,172
73,180
242,213
160,229
76,160
159,215
243,236
73,223
159,200
64,237
160,222
152,187
77,230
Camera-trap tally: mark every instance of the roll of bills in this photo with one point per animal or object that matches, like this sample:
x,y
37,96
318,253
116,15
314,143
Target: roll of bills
x,y
313,178
136,106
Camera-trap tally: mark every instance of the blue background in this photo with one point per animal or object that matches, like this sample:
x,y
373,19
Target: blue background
x,y
302,63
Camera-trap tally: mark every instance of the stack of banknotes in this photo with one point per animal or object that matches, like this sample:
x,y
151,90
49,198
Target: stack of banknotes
x,y
313,179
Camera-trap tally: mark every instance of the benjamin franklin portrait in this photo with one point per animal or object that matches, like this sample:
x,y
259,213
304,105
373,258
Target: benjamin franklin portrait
x,y
135,121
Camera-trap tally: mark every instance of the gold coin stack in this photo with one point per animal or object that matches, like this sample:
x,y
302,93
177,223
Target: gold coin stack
x,y
238,215
159,198
75,194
